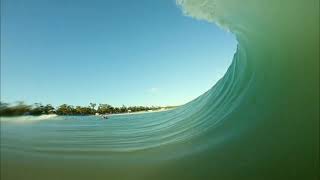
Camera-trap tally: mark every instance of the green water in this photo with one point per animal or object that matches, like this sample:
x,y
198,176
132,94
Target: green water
x,y
260,121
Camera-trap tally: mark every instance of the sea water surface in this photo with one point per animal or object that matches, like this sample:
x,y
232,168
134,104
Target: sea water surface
x,y
260,121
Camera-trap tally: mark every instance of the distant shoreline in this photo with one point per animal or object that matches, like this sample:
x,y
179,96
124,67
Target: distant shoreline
x,y
109,115
141,112
37,109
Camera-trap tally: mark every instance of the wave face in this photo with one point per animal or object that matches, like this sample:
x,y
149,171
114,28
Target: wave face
x,y
260,121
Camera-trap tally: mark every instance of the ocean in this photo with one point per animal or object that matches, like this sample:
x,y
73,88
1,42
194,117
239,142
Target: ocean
x,y
259,121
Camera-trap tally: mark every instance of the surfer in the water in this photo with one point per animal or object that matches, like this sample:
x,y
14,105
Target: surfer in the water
x,y
104,117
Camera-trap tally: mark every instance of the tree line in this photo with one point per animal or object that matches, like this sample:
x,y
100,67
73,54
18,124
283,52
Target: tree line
x,y
21,108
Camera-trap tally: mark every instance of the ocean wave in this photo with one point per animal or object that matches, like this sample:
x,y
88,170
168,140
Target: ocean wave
x,y
260,121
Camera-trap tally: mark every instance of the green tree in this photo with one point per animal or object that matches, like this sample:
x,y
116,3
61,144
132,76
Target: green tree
x,y
65,109
123,109
93,105
105,109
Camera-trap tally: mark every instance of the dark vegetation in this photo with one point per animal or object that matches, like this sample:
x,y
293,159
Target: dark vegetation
x,y
20,109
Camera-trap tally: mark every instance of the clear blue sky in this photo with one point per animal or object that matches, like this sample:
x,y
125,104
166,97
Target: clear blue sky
x,y
128,52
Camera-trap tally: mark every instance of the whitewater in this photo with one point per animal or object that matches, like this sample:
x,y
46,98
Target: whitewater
x,y
259,121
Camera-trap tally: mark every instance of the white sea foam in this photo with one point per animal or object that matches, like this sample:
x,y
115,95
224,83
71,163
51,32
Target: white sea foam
x,y
28,118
